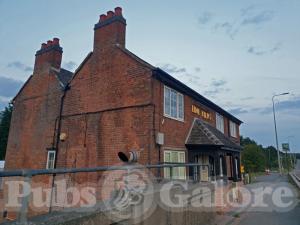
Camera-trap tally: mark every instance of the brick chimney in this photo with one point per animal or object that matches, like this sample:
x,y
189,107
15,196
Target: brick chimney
x,y
50,55
110,30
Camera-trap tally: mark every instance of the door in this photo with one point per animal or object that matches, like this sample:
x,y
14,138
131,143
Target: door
x,y
229,166
203,170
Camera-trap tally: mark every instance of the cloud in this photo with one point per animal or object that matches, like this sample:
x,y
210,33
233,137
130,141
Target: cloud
x,y
238,111
218,83
290,105
258,18
258,51
215,91
216,87
20,66
9,87
279,78
71,65
169,68
4,102
251,15
247,98
197,69
205,18
227,27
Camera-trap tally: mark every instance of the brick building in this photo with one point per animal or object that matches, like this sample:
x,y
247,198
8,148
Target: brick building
x,y
116,102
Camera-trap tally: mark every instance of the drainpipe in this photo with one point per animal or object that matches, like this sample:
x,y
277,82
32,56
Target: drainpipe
x,y
64,89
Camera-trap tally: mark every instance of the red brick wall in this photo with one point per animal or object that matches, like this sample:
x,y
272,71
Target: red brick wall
x,y
107,110
33,122
176,132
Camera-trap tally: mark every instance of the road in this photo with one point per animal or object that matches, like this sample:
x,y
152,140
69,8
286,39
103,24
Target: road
x,y
291,217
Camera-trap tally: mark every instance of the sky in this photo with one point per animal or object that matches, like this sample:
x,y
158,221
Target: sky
x,y
236,53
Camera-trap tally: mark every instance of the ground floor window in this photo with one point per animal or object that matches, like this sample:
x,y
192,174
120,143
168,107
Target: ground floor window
x,y
174,157
50,160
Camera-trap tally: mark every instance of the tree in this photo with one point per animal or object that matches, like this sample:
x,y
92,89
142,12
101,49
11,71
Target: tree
x,y
247,141
5,117
253,158
271,157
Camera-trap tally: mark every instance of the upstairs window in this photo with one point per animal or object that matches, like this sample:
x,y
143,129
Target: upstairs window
x,y
173,104
220,122
50,160
232,128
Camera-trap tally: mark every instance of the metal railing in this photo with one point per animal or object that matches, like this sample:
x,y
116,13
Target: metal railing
x,y
28,174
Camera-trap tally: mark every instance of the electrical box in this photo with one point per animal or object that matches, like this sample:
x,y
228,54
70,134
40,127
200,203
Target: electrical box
x,y
160,138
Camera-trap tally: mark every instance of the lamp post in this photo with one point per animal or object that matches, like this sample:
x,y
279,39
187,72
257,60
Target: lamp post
x,y
276,135
291,154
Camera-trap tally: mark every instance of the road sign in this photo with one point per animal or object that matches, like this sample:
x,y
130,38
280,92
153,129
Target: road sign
x,y
286,147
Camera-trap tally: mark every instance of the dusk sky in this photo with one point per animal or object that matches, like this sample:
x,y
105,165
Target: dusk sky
x,y
236,53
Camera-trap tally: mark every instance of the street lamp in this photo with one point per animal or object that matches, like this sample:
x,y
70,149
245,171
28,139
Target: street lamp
x,y
276,136
291,154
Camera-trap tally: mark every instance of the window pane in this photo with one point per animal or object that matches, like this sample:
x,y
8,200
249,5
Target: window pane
x,y
232,129
50,160
181,157
180,106
167,157
167,101
173,103
51,156
174,157
182,172
220,122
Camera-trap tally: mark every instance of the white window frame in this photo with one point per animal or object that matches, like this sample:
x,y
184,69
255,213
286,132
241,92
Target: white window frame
x,y
232,128
178,95
48,166
175,170
220,122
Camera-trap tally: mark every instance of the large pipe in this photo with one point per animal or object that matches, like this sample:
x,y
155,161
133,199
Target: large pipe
x,y
128,157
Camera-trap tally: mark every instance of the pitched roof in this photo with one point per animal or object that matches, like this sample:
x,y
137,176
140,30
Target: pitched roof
x,y
64,76
81,65
25,84
169,80
202,133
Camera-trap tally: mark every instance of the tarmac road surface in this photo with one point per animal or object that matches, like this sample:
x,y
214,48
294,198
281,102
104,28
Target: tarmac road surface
x,y
290,217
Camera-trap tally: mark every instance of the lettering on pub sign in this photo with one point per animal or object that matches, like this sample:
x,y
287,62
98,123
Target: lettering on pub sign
x,y
200,112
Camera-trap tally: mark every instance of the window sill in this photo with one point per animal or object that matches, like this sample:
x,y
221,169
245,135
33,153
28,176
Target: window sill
x,y
173,118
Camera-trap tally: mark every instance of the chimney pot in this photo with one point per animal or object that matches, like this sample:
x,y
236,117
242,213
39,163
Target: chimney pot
x,y
110,14
102,17
118,11
55,41
49,43
44,45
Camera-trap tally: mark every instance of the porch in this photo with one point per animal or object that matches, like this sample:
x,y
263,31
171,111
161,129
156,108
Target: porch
x,y
208,146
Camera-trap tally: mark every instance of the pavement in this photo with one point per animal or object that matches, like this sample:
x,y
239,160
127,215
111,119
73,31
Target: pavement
x,y
270,215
